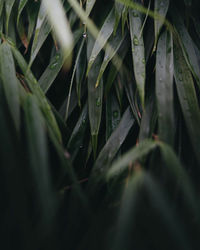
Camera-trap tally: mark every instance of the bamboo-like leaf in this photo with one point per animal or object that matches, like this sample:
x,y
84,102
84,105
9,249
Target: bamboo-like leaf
x,y
105,32
8,6
186,43
132,155
32,12
35,88
160,7
164,87
89,5
187,97
95,96
139,183
58,20
42,30
21,6
1,6
38,157
72,79
113,114
51,72
149,119
9,80
113,71
115,43
118,13
124,17
114,142
138,53
178,173
76,140
80,71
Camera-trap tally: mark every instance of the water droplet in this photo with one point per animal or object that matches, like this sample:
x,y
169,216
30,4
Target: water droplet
x,y
84,35
115,114
53,65
160,79
98,102
81,146
135,41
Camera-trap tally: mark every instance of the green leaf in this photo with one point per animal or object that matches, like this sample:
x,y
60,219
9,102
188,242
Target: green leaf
x,y
72,78
32,12
38,158
89,5
130,212
95,96
118,13
164,88
105,32
1,6
57,18
8,5
186,44
9,80
180,176
138,53
36,90
160,7
21,6
42,30
187,97
80,71
51,72
114,142
118,167
76,139
113,114
115,43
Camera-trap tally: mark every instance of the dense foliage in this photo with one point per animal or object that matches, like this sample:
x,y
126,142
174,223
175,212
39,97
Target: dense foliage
x,y
100,146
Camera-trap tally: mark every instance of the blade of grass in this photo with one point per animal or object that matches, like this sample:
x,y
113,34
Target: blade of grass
x,y
120,165
164,88
115,42
21,6
113,114
36,90
186,44
9,80
76,140
8,6
114,143
187,97
105,32
138,53
57,18
160,7
139,183
89,6
95,96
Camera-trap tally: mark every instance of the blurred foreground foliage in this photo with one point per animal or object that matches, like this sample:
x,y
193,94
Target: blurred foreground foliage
x,y
104,154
